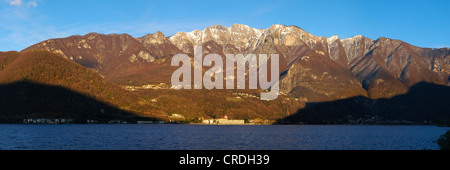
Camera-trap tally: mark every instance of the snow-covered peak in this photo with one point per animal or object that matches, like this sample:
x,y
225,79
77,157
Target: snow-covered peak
x,y
354,38
244,37
278,26
244,28
194,37
348,42
238,35
333,38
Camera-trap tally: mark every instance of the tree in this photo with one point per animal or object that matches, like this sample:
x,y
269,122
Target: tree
x,y
444,141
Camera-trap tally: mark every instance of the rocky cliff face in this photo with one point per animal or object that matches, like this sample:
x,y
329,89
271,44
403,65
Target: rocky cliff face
x,y
313,68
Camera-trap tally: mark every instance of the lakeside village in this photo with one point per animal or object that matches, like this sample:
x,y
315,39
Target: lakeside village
x,y
180,119
173,119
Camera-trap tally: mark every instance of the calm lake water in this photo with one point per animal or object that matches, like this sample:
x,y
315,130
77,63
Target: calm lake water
x,y
215,137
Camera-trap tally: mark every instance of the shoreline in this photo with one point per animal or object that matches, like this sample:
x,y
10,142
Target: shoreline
x,y
197,124
219,122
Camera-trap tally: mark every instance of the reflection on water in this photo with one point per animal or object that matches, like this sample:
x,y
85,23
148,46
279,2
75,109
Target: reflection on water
x,y
205,137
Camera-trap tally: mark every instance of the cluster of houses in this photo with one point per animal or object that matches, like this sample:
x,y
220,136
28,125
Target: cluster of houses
x,y
223,121
246,95
150,122
148,86
47,121
71,121
213,121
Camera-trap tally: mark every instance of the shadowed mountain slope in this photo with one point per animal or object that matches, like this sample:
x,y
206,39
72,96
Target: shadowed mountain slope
x,y
423,102
25,100
41,78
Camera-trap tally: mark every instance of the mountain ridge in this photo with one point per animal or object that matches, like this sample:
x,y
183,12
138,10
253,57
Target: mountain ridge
x,y
383,67
313,69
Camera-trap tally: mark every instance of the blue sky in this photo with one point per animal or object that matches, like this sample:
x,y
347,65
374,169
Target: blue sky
x,y
423,23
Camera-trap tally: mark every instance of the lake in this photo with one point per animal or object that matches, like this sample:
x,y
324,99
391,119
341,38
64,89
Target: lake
x,y
217,137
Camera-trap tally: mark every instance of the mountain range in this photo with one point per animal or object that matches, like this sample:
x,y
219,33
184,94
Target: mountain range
x,y
313,69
